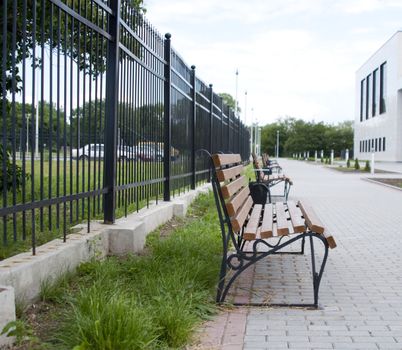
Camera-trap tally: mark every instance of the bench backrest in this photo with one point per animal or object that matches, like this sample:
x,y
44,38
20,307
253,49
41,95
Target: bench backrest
x,y
234,204
259,173
231,192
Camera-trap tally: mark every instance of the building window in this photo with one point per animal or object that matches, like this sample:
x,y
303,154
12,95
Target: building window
x,y
376,145
362,100
368,96
372,145
375,92
365,146
383,87
383,143
379,145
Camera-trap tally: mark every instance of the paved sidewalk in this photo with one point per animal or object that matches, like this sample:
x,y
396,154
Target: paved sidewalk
x,y
361,291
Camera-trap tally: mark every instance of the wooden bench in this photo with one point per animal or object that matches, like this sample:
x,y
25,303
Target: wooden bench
x,y
268,163
265,176
246,226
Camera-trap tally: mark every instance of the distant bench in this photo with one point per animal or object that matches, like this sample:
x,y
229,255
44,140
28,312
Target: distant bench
x,y
265,175
242,221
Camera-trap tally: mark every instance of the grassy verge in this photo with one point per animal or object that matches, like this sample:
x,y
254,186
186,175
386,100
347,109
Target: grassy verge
x,y
153,301
51,222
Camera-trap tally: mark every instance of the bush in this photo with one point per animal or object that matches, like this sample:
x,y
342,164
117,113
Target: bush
x,y
367,166
10,172
357,165
322,160
348,163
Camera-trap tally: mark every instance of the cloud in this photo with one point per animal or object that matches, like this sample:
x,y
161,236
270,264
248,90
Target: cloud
x,y
361,6
295,57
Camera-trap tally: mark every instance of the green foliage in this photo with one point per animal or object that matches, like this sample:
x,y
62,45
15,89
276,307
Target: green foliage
x,y
53,290
322,160
357,165
13,172
81,52
296,135
148,302
22,332
229,100
348,163
367,166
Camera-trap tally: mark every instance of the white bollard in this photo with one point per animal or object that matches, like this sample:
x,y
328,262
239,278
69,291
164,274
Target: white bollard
x,y
372,163
347,155
332,156
315,156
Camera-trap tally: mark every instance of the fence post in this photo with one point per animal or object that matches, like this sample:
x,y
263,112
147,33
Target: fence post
x,y
211,115
193,119
112,86
167,118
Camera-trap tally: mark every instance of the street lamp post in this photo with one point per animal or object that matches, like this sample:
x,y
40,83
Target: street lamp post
x,y
277,144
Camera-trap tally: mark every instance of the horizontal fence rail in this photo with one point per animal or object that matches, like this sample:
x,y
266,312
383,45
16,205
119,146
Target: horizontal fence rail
x,y
99,116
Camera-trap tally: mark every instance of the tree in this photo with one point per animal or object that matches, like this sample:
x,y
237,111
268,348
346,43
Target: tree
x,y
145,123
23,34
230,101
297,135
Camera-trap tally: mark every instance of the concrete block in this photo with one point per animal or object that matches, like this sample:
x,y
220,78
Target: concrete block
x,y
7,313
128,237
156,215
26,272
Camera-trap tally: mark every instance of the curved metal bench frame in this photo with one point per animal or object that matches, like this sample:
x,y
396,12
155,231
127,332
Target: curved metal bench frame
x,y
245,259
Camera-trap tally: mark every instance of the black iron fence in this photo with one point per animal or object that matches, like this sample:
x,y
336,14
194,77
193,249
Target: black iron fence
x,y
98,117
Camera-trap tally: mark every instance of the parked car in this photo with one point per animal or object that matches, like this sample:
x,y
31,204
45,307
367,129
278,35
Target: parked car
x,y
147,152
93,150
158,149
97,151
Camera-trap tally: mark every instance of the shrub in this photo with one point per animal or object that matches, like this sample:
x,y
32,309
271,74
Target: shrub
x,y
348,163
367,166
357,165
10,171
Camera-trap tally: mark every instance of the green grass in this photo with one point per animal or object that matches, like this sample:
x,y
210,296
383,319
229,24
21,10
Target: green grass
x,y
153,301
77,211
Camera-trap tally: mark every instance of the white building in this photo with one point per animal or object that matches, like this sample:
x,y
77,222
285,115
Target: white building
x,y
378,112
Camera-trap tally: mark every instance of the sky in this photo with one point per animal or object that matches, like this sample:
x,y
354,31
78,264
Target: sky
x,y
294,58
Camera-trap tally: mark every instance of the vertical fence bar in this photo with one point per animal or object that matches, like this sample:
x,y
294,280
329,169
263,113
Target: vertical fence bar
x,y
193,123
112,83
167,118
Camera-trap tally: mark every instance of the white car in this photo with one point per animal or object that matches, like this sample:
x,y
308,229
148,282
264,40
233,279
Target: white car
x,y
97,151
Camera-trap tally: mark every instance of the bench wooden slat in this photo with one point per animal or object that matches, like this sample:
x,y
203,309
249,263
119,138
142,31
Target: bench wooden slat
x,y
238,220
233,187
281,220
236,202
266,227
250,231
225,159
314,223
296,217
230,173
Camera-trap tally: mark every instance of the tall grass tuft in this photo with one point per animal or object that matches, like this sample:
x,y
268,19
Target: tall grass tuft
x,y
152,301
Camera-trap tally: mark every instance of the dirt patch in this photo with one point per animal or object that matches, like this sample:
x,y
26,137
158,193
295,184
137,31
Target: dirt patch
x,y
392,182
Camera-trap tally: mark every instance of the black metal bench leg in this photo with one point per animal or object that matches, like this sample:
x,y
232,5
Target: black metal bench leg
x,y
222,277
317,275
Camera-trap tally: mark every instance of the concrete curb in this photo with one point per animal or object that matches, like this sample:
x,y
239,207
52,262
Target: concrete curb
x,y
7,312
23,275
381,183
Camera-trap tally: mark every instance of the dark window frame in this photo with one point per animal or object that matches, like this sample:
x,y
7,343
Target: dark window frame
x,y
374,93
383,87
